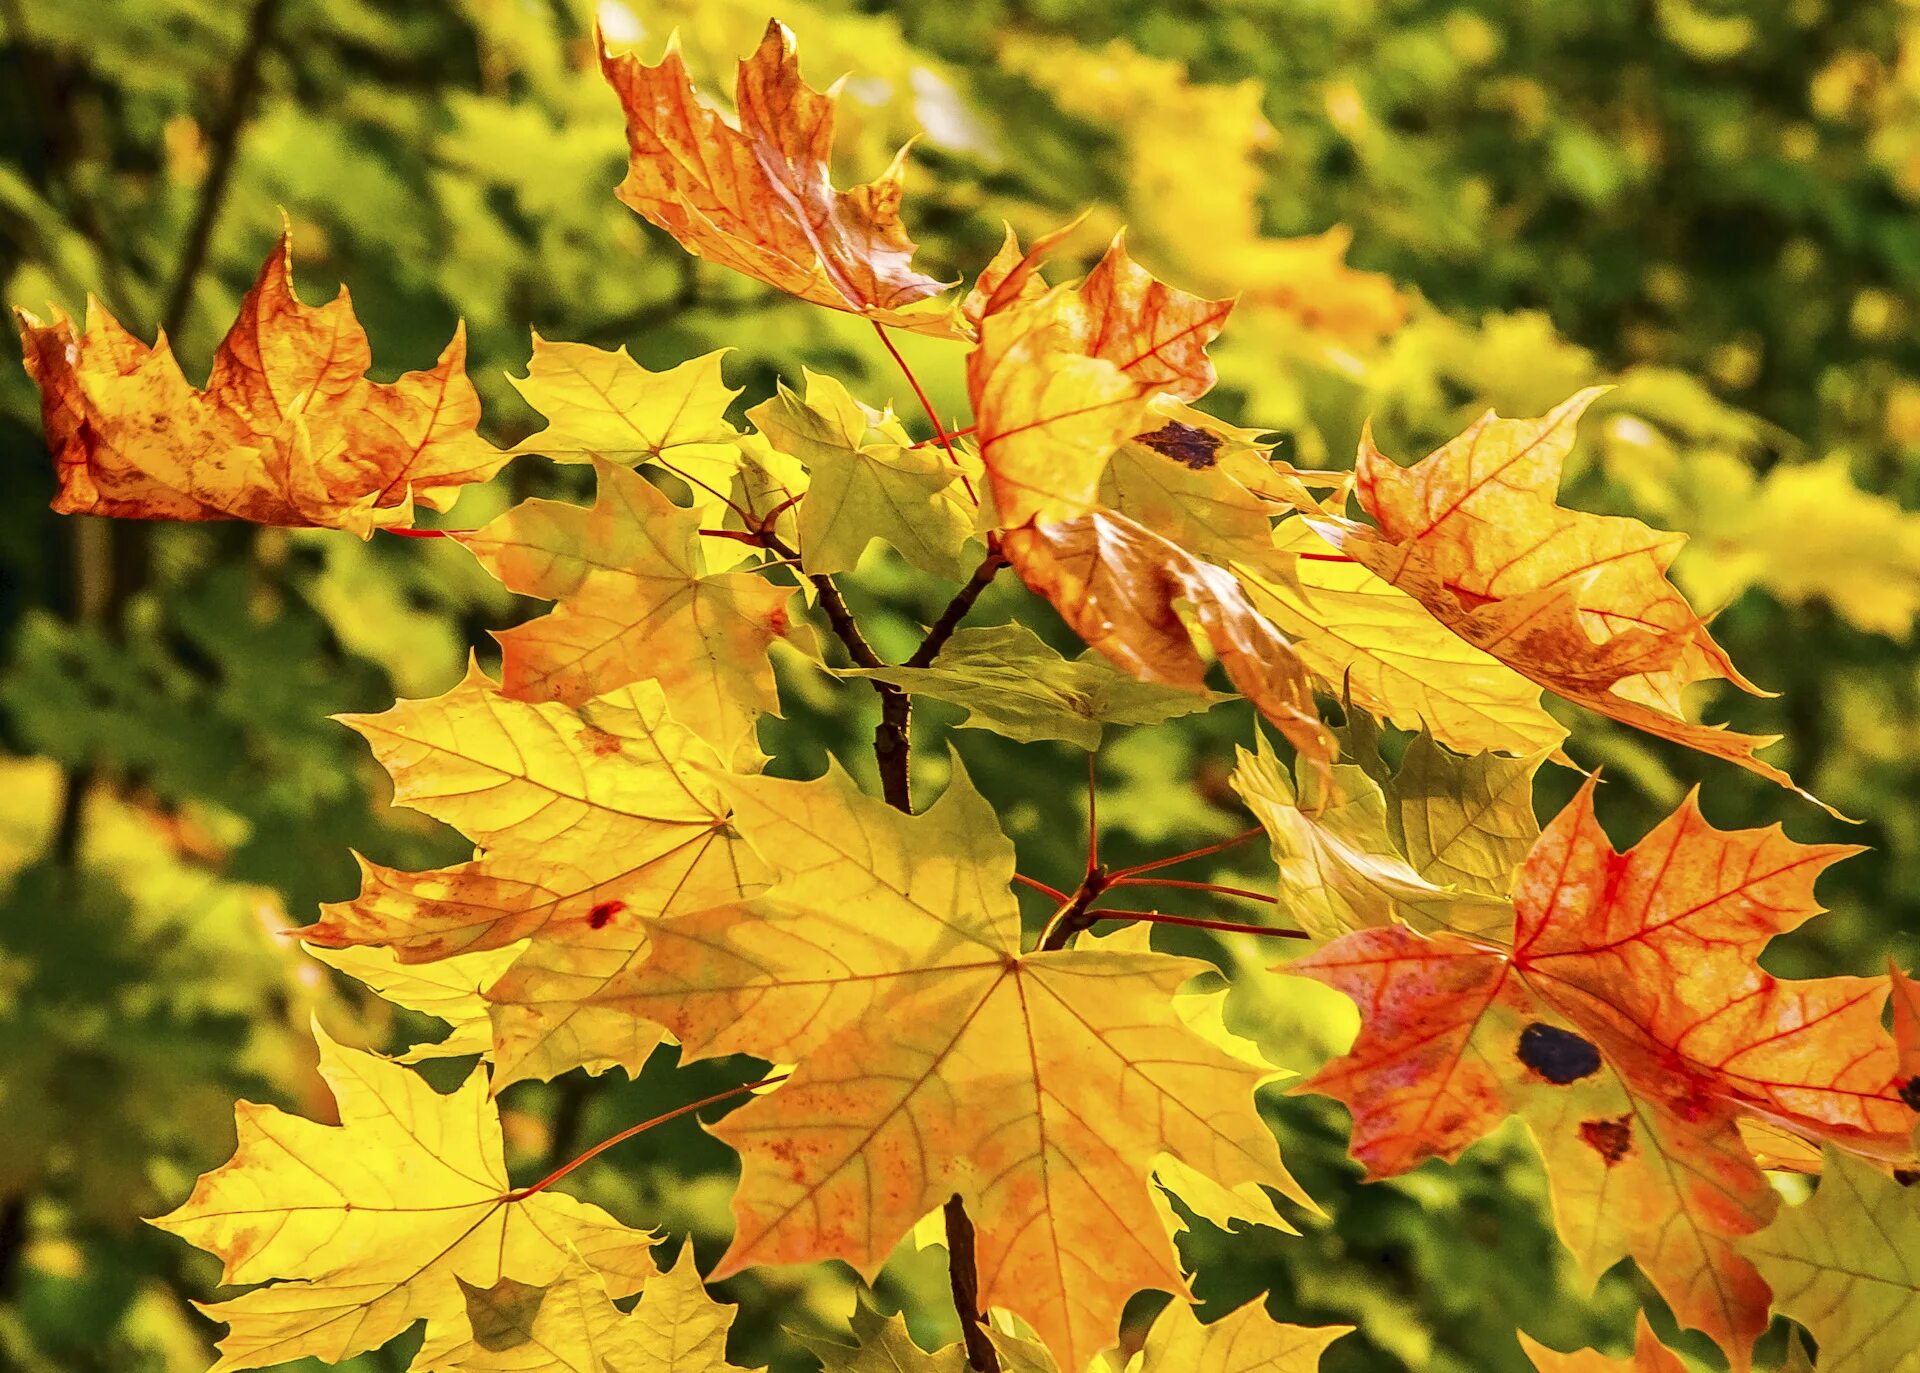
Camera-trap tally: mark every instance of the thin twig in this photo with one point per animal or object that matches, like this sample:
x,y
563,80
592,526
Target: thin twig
x,y
1093,812
958,608
940,434
1054,892
224,141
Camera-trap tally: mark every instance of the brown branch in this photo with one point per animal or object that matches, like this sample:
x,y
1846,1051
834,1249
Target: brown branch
x,y
958,608
243,80
963,1275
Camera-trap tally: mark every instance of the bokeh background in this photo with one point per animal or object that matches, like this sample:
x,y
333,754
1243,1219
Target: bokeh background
x,y
1711,203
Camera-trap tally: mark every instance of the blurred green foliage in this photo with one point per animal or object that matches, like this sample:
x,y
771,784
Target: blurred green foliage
x,y
1711,202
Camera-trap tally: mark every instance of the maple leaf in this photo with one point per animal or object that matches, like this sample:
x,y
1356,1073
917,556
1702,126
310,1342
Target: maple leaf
x,y
571,1326
935,1058
288,431
1014,683
1843,1264
448,990
1363,637
601,404
881,1344
1060,380
1579,603
593,820
1243,1341
867,481
1433,848
373,1225
636,602
756,196
1649,1356
1119,586
1630,1024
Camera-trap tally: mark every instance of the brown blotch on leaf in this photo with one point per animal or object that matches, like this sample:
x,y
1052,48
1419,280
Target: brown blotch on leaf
x,y
605,911
1906,1177
1910,1092
599,741
1560,1056
1611,1139
1184,443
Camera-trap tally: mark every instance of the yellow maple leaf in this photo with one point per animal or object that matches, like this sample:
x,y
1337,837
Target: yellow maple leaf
x,y
1365,638
601,404
572,1326
364,1228
636,602
593,820
936,1058
1843,1264
1649,1356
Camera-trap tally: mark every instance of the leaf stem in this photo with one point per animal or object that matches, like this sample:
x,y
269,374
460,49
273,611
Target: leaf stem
x,y
1190,854
951,434
940,434
1040,887
522,1193
1214,887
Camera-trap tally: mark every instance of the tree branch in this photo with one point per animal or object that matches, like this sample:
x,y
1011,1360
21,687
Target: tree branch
x,y
960,606
243,81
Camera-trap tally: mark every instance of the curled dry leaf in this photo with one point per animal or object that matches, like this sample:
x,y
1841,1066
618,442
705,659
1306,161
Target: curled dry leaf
x,y
755,195
288,431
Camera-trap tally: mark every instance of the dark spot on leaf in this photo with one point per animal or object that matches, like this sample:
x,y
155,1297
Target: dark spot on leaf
x,y
1611,1139
605,911
1906,1177
1910,1092
1185,444
1560,1056
599,742
502,1316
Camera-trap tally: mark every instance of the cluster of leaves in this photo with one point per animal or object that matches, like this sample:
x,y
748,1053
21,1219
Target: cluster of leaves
x,y
640,874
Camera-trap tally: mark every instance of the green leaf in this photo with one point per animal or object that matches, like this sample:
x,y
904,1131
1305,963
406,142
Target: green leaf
x,y
866,482
1433,847
1013,683
881,1344
1843,1265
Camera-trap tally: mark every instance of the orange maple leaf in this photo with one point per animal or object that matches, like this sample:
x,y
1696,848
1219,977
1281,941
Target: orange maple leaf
x,y
936,1058
288,431
756,196
1631,1025
1059,379
1579,603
